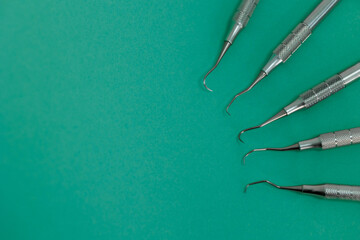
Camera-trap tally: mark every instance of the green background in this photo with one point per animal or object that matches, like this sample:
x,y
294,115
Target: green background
x,y
107,133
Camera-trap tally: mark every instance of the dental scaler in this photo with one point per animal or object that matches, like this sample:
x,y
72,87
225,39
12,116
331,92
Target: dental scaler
x,y
292,43
241,19
316,94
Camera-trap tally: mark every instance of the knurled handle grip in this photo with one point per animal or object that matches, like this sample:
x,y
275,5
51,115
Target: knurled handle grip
x,y
340,138
245,11
323,91
296,38
343,192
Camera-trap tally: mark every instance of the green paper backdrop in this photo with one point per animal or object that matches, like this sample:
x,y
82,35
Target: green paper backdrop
x,y
107,133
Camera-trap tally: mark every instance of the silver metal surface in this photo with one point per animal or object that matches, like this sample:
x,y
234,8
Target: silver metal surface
x,y
320,12
295,106
340,138
301,33
309,144
292,42
322,91
343,192
351,74
325,89
327,191
314,95
274,61
324,141
241,19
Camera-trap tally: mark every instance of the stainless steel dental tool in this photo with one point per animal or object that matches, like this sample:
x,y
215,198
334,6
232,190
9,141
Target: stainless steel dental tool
x,y
316,94
324,141
241,19
296,38
327,191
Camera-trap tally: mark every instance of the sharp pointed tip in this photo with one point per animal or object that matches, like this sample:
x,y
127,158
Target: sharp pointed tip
x,y
207,88
244,158
227,111
223,51
239,136
246,188
249,153
227,108
248,129
204,80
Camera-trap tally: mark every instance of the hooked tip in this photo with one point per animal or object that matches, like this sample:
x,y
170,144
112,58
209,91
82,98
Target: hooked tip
x,y
227,110
239,136
211,70
206,87
260,77
264,181
233,100
222,53
252,151
295,146
243,131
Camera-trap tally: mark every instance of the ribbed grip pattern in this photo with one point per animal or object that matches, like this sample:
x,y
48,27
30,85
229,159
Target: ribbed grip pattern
x,y
245,11
341,138
342,192
293,42
322,91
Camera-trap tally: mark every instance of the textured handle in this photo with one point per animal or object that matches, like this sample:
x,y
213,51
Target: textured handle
x,y
342,192
293,42
244,12
322,91
341,138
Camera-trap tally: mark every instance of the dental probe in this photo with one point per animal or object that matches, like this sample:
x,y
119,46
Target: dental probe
x,y
324,141
316,94
296,38
327,191
241,19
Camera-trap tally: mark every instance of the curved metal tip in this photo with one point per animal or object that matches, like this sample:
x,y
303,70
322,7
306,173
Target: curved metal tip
x,y
243,131
227,110
264,181
255,150
233,100
204,82
296,146
222,53
260,77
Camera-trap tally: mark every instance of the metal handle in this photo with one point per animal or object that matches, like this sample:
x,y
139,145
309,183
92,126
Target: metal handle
x,y
343,192
351,74
340,138
297,37
322,91
241,18
331,86
320,12
245,11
